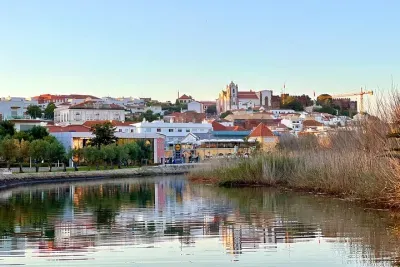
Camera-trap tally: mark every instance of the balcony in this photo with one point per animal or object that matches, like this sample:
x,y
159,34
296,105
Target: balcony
x,y
16,117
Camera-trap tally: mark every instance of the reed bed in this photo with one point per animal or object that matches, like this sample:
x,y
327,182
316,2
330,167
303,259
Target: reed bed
x,y
360,162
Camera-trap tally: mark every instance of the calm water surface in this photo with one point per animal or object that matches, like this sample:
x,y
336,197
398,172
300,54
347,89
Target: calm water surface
x,y
167,221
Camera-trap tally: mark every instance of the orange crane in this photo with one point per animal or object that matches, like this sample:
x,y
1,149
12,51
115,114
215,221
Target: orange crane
x,y
361,94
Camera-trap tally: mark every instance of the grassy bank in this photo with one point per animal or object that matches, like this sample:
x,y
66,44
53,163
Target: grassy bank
x,y
345,174
359,162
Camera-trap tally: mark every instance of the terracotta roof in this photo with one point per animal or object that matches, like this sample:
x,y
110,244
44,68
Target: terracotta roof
x,y
50,97
222,120
69,128
114,123
65,104
247,95
82,96
185,97
173,114
311,123
235,128
96,105
261,130
255,116
218,126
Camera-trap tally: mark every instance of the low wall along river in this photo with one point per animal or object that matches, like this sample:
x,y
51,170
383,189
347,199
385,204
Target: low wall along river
x,y
15,179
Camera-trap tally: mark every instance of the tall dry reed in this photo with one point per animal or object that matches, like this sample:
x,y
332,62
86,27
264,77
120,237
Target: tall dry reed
x,y
359,161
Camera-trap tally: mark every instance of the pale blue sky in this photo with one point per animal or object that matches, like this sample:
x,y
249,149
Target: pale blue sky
x,y
153,48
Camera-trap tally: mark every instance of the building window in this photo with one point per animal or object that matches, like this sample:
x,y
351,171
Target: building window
x,y
188,130
120,130
131,130
158,130
179,130
170,130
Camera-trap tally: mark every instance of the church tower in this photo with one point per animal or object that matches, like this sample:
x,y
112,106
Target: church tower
x,y
233,92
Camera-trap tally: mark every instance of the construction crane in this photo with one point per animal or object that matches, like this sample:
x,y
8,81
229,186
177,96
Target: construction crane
x,y
361,94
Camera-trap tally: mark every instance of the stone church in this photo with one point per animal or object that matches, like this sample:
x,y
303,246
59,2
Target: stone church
x,y
233,99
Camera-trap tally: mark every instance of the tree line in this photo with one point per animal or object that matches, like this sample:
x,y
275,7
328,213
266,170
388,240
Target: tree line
x,y
35,111
109,156
37,145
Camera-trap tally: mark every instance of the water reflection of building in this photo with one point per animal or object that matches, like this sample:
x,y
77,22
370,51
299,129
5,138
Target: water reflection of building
x,y
231,239
77,234
11,246
149,213
245,236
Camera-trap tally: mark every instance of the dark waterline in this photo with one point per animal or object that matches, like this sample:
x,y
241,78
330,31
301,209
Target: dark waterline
x,y
168,221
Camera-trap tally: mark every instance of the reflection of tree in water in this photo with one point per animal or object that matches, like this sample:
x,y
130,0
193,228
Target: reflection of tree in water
x,y
31,210
7,219
180,230
143,196
104,216
246,217
34,209
107,200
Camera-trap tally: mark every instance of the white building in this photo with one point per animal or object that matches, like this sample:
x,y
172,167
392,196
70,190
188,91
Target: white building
x,y
184,99
174,132
88,111
294,122
195,106
15,107
155,109
200,106
135,109
27,124
138,109
278,112
123,101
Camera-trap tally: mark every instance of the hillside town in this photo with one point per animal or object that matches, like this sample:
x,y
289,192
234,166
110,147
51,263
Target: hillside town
x,y
234,124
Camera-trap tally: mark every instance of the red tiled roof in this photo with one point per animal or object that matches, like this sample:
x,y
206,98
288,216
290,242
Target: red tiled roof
x,y
92,105
218,126
175,114
69,128
247,95
311,123
238,128
50,97
81,96
114,123
65,104
185,97
261,130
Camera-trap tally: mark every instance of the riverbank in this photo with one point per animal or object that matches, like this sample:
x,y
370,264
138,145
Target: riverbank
x,y
17,179
356,175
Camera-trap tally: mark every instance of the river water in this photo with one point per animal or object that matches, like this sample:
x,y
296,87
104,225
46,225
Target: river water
x,y
170,222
